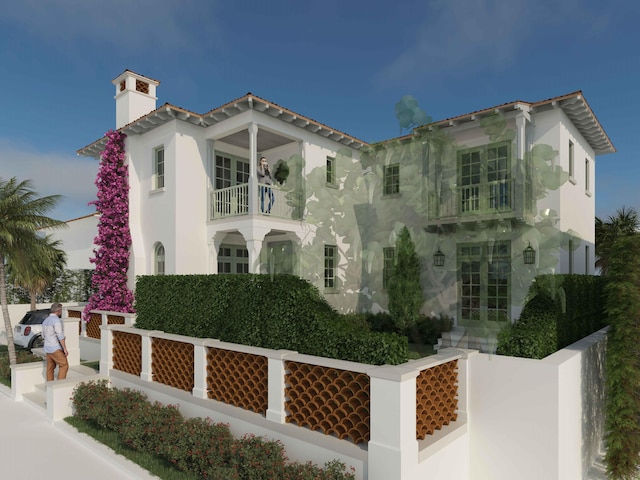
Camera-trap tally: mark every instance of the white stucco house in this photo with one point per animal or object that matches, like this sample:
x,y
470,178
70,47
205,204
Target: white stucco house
x,y
492,198
77,240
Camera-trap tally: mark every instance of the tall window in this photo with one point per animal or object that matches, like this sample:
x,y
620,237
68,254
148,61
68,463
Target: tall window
x,y
484,277
233,259
392,179
484,179
586,176
158,260
329,266
570,256
571,172
586,260
158,168
389,255
331,171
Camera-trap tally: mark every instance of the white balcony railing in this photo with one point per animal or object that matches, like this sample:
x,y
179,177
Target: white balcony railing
x,y
271,201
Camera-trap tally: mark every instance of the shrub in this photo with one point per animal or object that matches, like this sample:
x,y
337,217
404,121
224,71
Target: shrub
x,y
196,446
151,426
535,335
279,312
405,292
200,446
381,322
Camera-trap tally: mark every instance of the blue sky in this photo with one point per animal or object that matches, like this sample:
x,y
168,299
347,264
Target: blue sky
x,y
343,63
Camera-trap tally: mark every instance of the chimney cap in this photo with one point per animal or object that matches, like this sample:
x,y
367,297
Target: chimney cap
x,y
129,73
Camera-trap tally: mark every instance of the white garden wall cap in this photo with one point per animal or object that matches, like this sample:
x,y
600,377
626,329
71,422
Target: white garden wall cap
x,y
396,373
330,363
445,356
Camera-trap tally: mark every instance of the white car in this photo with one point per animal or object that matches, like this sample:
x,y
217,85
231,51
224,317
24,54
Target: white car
x,y
28,333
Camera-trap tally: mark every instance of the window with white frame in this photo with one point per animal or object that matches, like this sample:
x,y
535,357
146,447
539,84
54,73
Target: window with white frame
x,y
158,259
233,259
484,179
484,276
391,179
330,257
331,171
389,255
158,168
587,186
571,167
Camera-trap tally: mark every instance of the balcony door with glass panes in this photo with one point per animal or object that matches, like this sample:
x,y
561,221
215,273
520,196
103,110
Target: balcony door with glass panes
x,y
484,276
231,184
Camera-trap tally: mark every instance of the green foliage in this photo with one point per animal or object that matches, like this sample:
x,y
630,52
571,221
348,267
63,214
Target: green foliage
x,y
535,335
405,292
623,351
276,312
196,446
561,310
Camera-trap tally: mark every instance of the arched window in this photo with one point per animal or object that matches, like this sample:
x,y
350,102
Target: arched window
x,y
158,260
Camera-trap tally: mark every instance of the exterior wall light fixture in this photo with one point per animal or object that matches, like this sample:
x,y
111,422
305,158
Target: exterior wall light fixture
x,y
529,255
438,259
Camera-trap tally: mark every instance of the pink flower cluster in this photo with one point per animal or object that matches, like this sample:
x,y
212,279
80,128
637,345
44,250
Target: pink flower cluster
x,y
114,239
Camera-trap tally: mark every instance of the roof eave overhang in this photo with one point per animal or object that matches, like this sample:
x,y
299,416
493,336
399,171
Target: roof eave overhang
x,y
168,112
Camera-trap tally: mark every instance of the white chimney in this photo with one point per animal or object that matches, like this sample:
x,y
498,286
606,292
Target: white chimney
x,y
135,97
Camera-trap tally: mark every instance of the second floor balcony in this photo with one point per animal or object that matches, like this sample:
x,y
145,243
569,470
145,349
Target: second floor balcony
x,y
269,200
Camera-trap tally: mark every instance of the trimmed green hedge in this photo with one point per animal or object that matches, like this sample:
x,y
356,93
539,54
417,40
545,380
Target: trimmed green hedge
x,y
279,312
562,309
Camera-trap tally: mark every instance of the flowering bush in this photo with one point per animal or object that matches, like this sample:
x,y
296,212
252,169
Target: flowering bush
x,y
196,446
114,239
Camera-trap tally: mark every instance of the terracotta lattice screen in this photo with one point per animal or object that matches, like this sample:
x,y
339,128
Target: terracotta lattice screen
x,y
172,363
238,379
93,325
436,398
329,400
76,314
127,352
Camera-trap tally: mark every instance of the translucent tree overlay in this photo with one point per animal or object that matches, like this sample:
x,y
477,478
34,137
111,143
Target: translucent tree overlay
x,y
360,220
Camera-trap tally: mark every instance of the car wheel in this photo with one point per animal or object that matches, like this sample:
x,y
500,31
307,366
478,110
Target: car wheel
x,y
37,342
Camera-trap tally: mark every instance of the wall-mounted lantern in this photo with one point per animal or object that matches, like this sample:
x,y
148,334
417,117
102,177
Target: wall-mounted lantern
x,y
438,259
529,255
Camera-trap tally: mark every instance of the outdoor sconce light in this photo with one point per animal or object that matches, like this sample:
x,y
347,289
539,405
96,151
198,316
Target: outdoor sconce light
x,y
529,255
438,259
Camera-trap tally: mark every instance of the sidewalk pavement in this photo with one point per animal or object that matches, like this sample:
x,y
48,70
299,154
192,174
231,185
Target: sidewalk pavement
x,y
32,448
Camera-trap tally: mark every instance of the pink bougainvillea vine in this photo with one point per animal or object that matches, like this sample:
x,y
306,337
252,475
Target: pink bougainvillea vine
x,y
114,239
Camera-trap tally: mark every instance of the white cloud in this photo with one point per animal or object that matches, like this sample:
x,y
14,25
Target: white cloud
x,y
460,37
53,174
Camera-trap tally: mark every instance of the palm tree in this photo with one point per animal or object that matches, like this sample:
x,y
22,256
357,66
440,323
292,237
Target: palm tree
x,y
625,222
36,266
22,212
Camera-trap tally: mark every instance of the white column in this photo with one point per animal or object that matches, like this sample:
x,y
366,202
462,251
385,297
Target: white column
x,y
253,169
106,350
72,340
200,367
277,398
393,447
146,372
254,237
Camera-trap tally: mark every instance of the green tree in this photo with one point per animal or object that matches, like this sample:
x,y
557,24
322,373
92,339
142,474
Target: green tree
x,y
37,266
22,212
625,222
405,292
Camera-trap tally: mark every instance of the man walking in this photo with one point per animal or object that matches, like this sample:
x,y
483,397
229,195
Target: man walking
x,y
54,343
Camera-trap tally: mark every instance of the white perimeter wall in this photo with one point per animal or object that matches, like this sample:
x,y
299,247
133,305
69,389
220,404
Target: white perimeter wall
x,y
537,419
